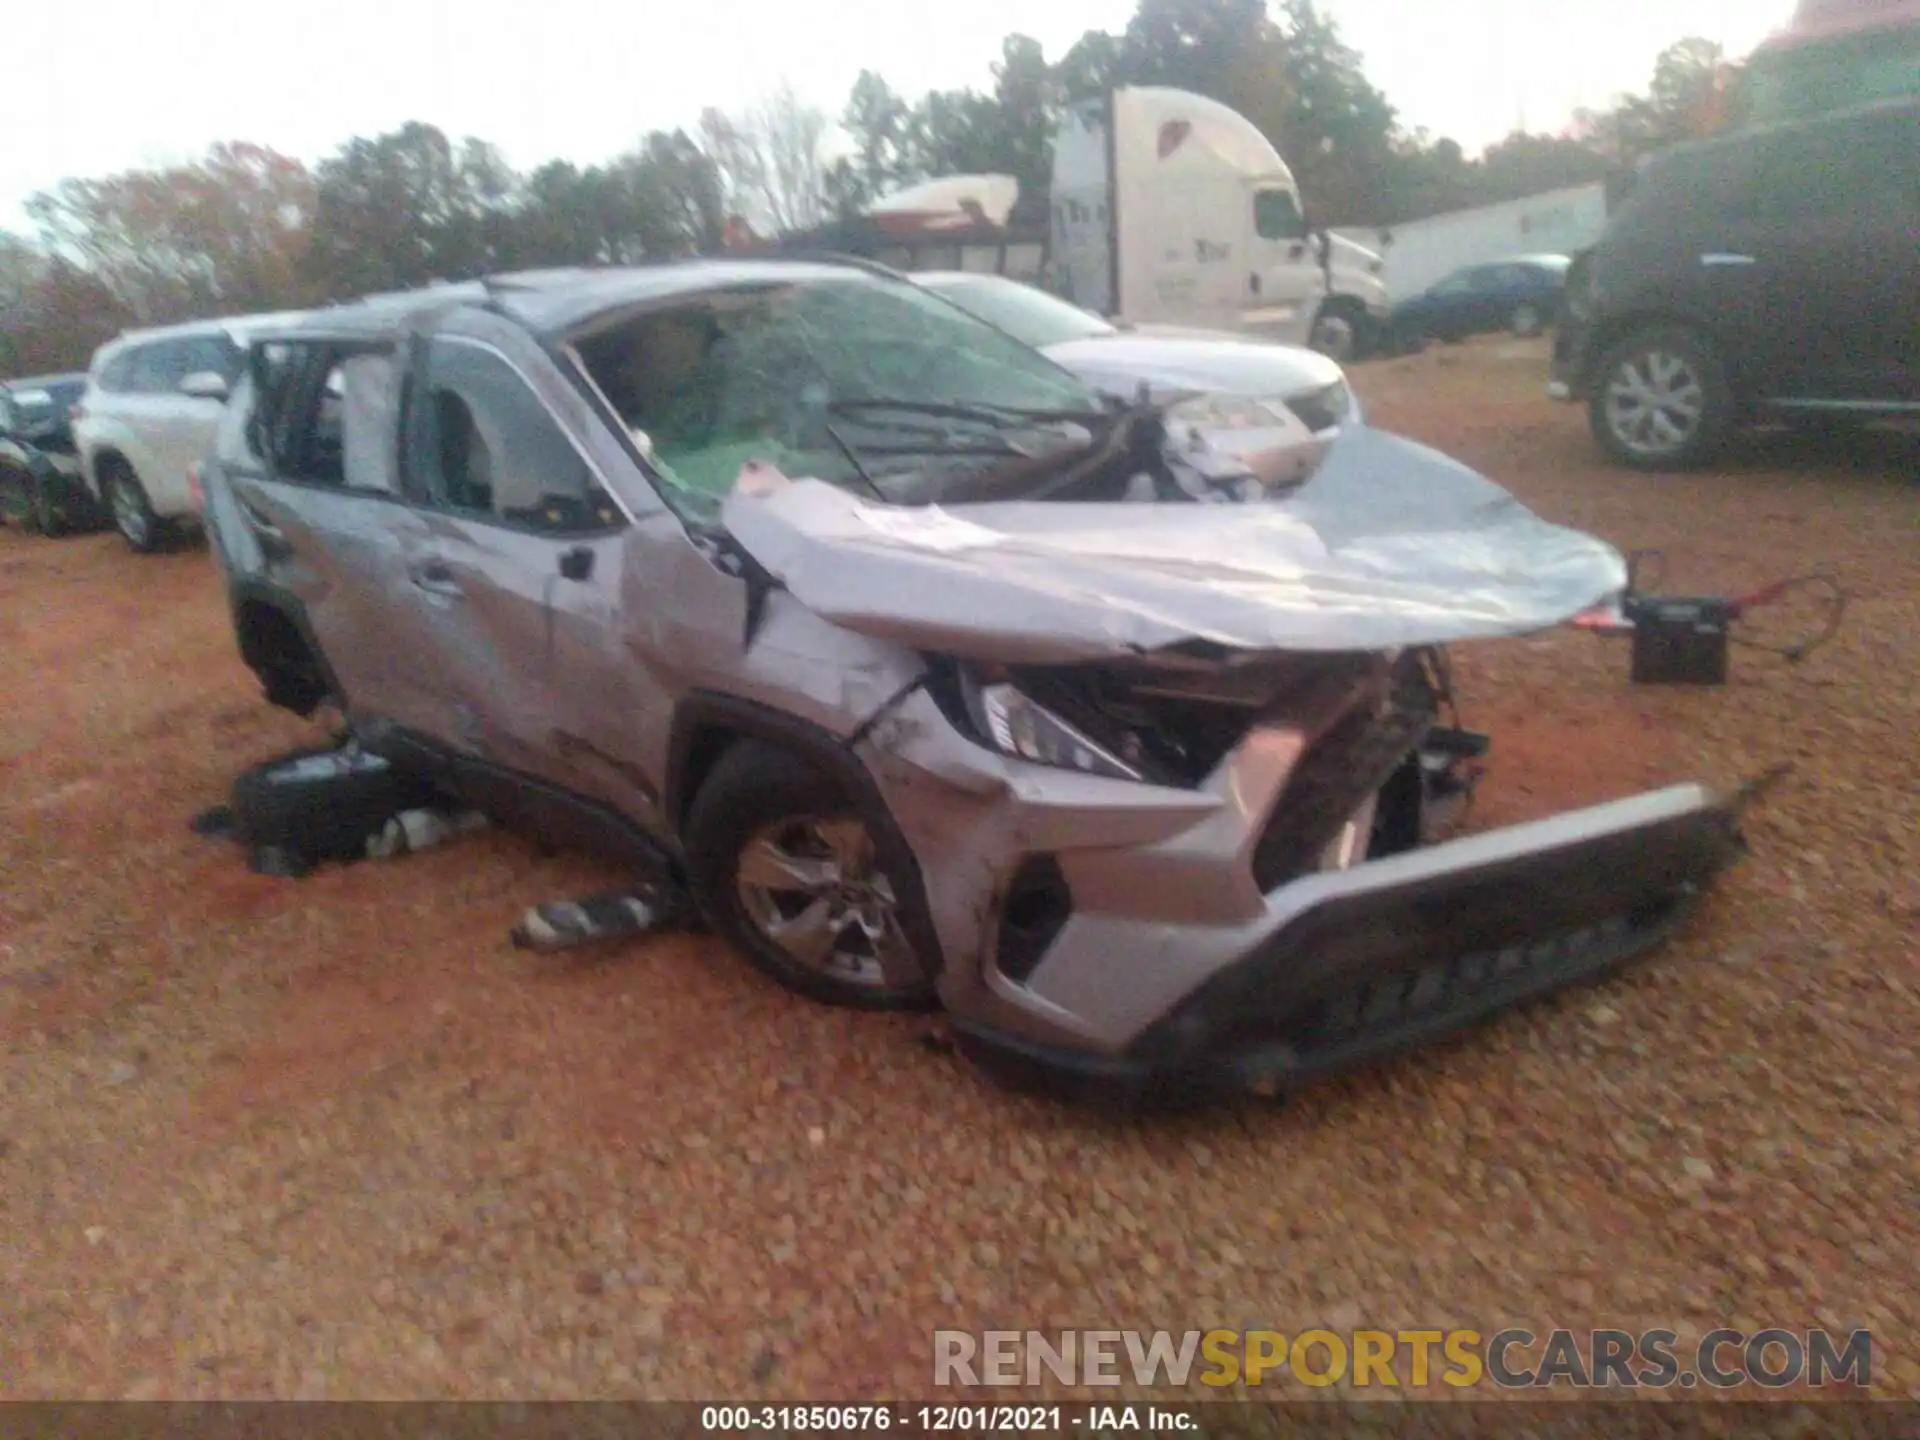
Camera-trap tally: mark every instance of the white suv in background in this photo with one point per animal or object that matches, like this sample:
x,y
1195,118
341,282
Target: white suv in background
x,y
152,404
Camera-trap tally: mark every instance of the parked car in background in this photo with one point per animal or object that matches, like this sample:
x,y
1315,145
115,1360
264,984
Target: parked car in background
x,y
1247,397
934,675
1521,295
40,484
152,403
1765,274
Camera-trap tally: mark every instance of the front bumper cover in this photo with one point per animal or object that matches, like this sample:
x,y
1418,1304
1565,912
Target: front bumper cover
x,y
1363,964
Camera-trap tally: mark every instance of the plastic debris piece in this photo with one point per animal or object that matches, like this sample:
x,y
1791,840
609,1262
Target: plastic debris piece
x,y
562,924
422,829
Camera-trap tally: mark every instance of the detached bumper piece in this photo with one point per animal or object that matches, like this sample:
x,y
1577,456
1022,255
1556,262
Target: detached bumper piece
x,y
1373,964
609,915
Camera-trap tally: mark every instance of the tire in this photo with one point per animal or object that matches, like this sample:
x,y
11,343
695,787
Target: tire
x,y
1335,335
321,803
49,517
1640,429
16,497
126,499
765,802
1527,321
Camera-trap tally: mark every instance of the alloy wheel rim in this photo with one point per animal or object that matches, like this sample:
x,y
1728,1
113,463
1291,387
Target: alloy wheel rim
x,y
1654,402
812,887
127,513
1333,337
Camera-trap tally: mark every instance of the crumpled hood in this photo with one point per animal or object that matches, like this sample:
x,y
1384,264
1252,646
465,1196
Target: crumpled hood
x,y
1389,544
1170,359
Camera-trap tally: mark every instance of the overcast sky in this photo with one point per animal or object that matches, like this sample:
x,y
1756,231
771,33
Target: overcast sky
x,y
120,83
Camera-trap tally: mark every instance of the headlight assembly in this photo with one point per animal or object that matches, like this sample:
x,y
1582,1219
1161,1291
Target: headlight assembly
x,y
1308,412
1020,727
1233,412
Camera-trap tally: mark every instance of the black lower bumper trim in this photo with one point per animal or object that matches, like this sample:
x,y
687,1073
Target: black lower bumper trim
x,y
1364,973
1364,1025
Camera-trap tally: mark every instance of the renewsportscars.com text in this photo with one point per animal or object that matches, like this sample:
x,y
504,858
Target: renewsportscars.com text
x,y
1512,1359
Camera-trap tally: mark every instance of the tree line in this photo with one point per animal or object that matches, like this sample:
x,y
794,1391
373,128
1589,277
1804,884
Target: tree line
x,y
247,229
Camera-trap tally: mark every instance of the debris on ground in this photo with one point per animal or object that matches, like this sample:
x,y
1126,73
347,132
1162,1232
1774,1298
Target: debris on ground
x,y
338,803
564,924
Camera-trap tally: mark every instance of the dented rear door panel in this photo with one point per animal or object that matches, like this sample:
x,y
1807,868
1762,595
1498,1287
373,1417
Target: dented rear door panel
x,y
344,556
535,675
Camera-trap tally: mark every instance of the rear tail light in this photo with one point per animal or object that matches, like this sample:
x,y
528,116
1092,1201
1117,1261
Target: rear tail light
x,y
194,491
76,412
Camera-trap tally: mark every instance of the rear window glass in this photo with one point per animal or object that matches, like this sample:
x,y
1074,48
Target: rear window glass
x,y
117,374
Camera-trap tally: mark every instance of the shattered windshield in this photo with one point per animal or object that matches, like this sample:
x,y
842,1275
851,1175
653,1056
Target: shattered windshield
x,y
869,384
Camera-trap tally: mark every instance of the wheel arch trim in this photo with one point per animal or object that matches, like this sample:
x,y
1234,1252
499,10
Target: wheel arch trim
x,y
708,723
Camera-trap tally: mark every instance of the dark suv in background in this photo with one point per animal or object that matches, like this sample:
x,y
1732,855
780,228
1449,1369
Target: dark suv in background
x,y
40,484
1771,273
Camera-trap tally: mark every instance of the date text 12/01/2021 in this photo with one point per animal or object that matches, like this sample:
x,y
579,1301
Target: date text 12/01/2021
x,y
944,1419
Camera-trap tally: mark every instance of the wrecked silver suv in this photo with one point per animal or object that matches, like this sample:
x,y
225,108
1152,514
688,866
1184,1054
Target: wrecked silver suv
x,y
933,675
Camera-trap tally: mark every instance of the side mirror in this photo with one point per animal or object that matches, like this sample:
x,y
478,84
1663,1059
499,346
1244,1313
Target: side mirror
x,y
205,385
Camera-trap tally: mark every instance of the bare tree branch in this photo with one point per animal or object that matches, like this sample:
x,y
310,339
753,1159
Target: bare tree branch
x,y
772,161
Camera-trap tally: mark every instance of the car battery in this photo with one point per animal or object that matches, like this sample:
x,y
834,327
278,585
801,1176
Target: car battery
x,y
1679,641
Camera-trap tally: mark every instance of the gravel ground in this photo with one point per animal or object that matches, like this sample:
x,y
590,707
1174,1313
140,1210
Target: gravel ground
x,y
334,1137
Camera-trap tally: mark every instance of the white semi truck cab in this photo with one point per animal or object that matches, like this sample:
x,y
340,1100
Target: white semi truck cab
x,y
1170,208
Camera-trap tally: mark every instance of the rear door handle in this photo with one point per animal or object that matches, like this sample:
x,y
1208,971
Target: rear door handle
x,y
435,577
262,523
273,540
1722,257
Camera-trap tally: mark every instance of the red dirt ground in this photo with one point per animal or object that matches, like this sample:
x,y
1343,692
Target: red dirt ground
x,y
333,1137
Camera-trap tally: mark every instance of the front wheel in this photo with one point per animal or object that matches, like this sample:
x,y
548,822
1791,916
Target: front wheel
x,y
1334,335
133,514
1661,401
784,865
1527,321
